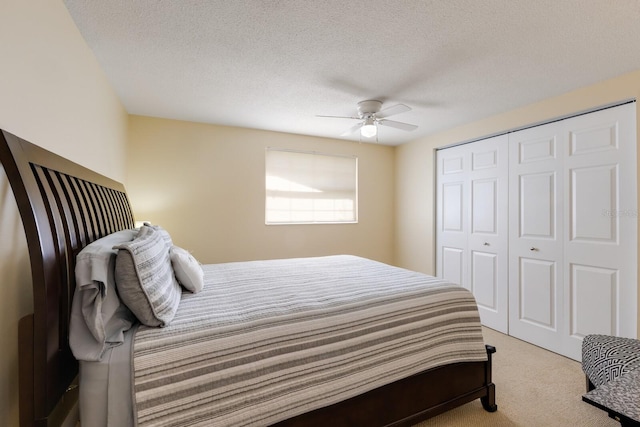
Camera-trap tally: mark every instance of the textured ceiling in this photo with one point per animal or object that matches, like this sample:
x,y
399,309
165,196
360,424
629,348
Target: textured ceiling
x,y
276,64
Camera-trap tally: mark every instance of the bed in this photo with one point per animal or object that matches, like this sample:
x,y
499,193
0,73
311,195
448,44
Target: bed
x,y
66,207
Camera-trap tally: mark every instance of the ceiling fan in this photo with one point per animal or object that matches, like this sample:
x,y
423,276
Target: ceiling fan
x,y
371,116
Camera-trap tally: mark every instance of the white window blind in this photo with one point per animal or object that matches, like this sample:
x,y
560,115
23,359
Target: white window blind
x,y
310,188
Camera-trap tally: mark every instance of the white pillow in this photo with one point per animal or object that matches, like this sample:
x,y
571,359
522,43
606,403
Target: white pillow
x,y
187,269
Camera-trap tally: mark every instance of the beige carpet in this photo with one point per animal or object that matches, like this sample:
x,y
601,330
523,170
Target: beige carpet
x,y
534,387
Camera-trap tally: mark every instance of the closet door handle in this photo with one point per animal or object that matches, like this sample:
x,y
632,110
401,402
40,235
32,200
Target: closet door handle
x,y
485,244
533,249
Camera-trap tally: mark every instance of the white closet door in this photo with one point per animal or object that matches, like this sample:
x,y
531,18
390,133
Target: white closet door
x,y
472,228
573,230
548,240
488,229
601,226
536,236
451,215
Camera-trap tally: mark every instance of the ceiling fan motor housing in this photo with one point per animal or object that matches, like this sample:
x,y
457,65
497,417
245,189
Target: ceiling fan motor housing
x,y
368,108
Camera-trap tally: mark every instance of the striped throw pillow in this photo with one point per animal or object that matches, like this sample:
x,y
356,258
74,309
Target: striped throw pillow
x,y
144,277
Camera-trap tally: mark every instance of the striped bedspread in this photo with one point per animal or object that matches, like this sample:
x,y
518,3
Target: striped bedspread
x,y
268,340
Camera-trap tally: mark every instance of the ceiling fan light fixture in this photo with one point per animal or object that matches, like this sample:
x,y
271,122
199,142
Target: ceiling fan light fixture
x,y
369,129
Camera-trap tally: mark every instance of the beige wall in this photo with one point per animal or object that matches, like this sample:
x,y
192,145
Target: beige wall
x,y
54,94
415,224
205,185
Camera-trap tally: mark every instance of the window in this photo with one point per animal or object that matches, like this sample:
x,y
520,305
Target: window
x,y
310,188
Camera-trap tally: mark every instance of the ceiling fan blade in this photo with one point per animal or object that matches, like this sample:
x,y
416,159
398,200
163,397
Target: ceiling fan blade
x,y
340,117
352,129
398,125
396,109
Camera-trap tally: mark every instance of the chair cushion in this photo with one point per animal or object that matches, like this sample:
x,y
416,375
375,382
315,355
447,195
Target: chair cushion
x,y
605,357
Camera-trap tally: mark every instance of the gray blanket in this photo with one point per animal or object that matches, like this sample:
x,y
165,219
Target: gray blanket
x,y
268,340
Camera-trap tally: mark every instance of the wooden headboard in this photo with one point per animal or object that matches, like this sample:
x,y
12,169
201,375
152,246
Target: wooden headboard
x,y
63,207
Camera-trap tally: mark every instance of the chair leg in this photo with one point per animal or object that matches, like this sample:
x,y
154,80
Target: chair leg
x,y
590,385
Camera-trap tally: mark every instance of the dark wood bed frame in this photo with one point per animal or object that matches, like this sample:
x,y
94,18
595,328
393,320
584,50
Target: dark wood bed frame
x,y
64,207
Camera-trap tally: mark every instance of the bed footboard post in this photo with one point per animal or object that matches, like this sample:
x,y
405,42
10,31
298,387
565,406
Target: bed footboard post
x,y
489,401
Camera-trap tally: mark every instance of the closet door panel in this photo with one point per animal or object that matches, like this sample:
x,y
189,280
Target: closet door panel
x,y
452,206
484,206
594,187
451,215
484,280
538,293
472,224
601,248
594,300
536,211
453,262
488,229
